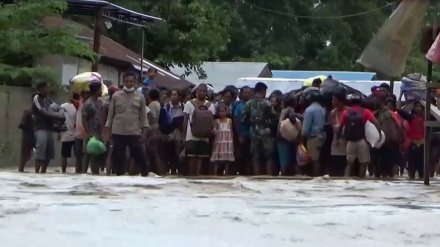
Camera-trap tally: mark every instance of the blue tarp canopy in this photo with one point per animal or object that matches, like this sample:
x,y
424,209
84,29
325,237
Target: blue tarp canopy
x,y
338,75
109,10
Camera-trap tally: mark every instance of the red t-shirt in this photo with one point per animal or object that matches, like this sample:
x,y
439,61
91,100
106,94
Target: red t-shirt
x,y
417,128
367,115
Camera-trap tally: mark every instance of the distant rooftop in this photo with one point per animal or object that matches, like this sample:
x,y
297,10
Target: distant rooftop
x,y
221,74
339,75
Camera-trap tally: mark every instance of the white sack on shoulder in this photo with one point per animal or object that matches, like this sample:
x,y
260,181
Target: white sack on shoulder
x,y
381,142
288,130
371,134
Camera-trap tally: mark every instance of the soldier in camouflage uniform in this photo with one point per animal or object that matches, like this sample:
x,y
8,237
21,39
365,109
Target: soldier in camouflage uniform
x,y
258,113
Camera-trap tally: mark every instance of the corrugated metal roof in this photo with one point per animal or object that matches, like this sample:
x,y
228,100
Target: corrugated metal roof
x,y
339,75
221,74
113,50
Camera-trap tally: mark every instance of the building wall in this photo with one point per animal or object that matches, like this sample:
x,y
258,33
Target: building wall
x,y
13,101
108,72
69,70
52,61
67,67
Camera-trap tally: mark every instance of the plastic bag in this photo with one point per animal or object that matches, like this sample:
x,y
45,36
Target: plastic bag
x,y
387,52
331,86
95,146
302,156
412,83
413,87
371,134
414,95
434,52
381,141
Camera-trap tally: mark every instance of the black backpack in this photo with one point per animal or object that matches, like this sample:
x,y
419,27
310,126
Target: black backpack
x,y
354,127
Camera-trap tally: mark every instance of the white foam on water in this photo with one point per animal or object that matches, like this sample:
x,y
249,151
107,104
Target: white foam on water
x,y
55,210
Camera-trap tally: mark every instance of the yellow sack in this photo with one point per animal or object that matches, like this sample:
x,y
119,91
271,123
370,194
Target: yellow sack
x,y
80,82
308,82
388,50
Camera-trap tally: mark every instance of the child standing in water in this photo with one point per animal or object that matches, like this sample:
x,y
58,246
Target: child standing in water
x,y
223,147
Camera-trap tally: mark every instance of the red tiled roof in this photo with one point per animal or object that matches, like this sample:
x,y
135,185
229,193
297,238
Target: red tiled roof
x,y
113,50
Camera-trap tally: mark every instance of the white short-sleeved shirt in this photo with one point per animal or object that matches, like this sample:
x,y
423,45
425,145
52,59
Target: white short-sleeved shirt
x,y
70,114
148,110
189,109
154,109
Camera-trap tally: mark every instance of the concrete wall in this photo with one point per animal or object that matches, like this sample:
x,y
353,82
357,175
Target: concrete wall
x,y
107,72
13,101
52,61
67,67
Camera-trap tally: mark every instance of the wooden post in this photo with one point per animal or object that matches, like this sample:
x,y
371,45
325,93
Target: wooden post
x,y
428,130
392,85
97,38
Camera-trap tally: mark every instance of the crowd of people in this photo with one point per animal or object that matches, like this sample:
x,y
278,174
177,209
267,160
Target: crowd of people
x,y
234,132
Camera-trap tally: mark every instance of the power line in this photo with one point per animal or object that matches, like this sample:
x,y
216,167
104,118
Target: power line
x,y
316,17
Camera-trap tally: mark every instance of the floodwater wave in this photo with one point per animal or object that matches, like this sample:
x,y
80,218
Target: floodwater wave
x,y
51,210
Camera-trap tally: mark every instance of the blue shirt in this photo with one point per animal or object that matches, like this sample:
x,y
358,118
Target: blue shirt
x,y
238,115
313,121
148,82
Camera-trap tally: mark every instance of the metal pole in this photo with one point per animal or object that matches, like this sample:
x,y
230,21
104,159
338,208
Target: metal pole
x,y
428,130
142,56
392,85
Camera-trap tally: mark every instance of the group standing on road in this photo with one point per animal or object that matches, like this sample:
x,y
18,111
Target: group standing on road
x,y
234,132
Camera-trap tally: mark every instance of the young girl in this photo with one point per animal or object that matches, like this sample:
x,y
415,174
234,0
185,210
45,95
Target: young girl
x,y
223,147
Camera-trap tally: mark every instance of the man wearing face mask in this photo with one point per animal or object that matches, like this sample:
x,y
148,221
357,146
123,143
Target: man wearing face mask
x,y
127,124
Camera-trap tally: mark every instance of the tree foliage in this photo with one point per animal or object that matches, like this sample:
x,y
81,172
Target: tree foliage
x,y
193,31
288,34
24,37
416,61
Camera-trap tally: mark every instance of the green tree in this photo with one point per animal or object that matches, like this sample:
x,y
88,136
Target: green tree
x,y
275,32
267,31
288,34
24,37
303,34
193,31
416,60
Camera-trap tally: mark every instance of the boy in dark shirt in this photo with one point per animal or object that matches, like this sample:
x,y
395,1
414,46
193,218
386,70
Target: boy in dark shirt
x,y
43,127
27,137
